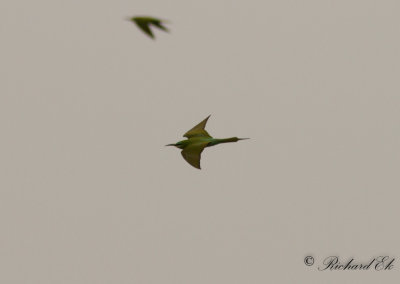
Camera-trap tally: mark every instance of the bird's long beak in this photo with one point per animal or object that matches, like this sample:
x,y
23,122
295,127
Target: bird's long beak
x,y
243,138
170,145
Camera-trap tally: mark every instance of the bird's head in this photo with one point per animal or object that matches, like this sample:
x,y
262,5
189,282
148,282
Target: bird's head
x,y
177,144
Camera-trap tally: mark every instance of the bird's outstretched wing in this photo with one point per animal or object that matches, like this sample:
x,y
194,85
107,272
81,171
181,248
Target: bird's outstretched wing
x,y
198,130
192,154
145,27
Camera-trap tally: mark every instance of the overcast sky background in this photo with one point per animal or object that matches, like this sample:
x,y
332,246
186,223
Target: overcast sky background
x,y
89,193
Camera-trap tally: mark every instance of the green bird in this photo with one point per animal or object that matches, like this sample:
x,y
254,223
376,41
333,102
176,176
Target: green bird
x,y
144,24
198,139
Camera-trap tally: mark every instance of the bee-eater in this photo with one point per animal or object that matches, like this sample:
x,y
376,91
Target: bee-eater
x,y
144,24
198,139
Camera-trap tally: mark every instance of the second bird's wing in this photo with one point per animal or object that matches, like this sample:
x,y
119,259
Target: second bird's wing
x,y
192,154
198,130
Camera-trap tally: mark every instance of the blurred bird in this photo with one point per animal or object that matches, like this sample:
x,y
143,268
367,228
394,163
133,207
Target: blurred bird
x,y
144,24
198,139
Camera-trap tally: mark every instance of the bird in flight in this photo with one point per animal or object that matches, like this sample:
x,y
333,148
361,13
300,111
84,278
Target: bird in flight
x,y
144,24
198,139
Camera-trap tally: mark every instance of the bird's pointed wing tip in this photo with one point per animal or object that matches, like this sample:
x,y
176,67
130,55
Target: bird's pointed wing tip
x,y
198,130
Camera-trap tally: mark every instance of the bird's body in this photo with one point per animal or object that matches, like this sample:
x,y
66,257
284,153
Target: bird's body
x,y
144,24
198,139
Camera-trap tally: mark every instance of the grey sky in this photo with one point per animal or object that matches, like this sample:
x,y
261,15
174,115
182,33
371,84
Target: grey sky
x,y
89,193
